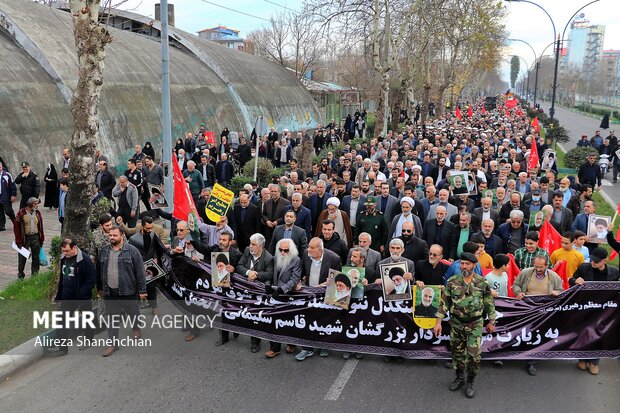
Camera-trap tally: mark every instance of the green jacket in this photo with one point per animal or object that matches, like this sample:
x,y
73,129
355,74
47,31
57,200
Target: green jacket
x,y
467,301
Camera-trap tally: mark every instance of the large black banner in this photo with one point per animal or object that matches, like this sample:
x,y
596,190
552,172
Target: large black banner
x,y
583,322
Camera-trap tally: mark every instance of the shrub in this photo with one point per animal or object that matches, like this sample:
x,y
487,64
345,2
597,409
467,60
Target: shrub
x,y
54,252
577,156
236,184
101,207
558,134
264,172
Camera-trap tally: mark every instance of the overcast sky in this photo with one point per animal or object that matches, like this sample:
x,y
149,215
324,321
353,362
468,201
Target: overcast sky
x,y
525,21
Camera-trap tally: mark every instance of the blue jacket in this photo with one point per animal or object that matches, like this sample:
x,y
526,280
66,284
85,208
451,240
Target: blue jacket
x,y
580,223
505,234
79,284
9,188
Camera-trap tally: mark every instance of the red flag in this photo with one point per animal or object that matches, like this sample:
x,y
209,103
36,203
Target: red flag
x,y
507,112
183,201
519,112
513,272
511,103
614,254
549,238
470,112
458,114
533,161
560,269
483,110
535,124
209,137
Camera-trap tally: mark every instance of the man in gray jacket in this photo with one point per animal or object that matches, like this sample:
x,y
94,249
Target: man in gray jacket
x,y
120,281
128,198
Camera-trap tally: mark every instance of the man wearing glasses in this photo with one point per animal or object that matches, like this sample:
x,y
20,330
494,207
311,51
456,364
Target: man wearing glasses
x,y
431,271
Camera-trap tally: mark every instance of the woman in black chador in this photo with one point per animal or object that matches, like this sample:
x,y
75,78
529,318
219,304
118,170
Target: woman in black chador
x,y
51,187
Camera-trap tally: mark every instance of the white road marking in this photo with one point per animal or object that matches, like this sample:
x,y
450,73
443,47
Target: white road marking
x,y
338,385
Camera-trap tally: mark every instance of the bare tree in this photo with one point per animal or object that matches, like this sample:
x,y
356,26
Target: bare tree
x,y
90,38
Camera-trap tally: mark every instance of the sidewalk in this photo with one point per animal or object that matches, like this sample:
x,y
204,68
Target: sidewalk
x,y
577,124
8,256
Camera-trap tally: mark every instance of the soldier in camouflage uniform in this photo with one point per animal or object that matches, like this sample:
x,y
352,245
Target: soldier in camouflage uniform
x,y
468,299
372,222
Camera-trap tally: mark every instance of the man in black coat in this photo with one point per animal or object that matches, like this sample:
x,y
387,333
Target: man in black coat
x,y
105,180
75,284
30,184
291,231
415,248
273,213
224,171
247,220
439,230
207,171
244,152
486,211
256,264
332,240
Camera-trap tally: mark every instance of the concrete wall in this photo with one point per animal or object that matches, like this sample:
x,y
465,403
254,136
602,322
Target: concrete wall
x,y
38,68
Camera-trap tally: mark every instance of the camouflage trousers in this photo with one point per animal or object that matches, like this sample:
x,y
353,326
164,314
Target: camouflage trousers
x,y
465,343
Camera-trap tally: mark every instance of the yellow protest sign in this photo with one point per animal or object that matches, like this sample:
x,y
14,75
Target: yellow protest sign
x,y
218,202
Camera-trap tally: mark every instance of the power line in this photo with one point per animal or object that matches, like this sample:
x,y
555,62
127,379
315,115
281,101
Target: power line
x,y
280,5
236,11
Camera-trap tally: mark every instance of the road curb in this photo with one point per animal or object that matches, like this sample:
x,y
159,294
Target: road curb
x,y
20,357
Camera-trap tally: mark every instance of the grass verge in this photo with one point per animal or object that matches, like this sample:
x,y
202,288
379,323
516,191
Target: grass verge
x,y
17,303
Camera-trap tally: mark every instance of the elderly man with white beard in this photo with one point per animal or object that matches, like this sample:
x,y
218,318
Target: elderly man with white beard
x,y
286,276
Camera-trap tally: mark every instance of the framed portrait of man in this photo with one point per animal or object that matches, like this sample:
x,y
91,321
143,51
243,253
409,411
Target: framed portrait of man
x,y
395,286
458,182
357,276
548,160
536,220
338,291
220,276
472,184
157,200
152,270
426,301
597,228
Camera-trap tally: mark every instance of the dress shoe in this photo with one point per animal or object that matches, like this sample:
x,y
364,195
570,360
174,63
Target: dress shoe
x,y
271,354
593,369
290,349
136,333
582,365
235,335
346,355
220,342
190,337
531,370
498,363
358,356
255,348
323,353
108,351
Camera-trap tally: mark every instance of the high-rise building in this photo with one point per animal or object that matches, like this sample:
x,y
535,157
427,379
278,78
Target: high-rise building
x,y
585,46
611,71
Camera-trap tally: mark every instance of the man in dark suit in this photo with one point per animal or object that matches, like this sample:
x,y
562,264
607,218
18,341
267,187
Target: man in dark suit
x,y
105,180
304,218
273,213
485,211
515,203
387,203
318,201
353,204
207,171
224,170
256,264
493,243
564,214
415,248
289,230
316,263
247,220
439,230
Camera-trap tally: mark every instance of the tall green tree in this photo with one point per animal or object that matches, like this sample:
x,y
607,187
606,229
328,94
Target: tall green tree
x,y
515,65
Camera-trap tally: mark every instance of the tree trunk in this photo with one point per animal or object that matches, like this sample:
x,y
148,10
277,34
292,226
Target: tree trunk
x,y
90,40
426,94
379,118
398,103
440,105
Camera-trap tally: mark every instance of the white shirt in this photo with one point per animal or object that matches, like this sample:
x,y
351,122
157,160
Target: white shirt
x,y
315,272
353,211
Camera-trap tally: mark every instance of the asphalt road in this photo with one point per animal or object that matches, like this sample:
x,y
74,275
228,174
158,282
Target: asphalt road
x,y
577,124
196,376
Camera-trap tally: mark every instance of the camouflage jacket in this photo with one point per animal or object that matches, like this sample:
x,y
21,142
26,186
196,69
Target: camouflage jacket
x,y
467,301
99,240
